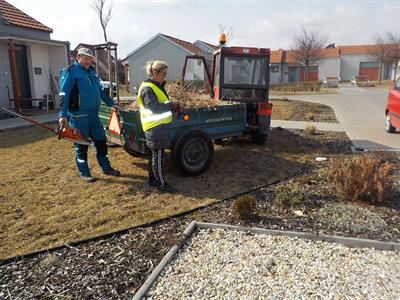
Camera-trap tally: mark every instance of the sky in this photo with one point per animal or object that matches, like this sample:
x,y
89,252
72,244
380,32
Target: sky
x,y
255,23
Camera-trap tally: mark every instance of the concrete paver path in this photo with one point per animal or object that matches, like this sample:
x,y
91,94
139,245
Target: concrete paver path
x,y
361,112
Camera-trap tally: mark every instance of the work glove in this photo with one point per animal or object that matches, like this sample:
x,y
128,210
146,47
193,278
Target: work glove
x,y
176,107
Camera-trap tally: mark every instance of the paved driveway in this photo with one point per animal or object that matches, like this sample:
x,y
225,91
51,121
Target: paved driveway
x,y
362,114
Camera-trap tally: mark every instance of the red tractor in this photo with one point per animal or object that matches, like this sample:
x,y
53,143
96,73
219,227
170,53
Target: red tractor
x,y
242,74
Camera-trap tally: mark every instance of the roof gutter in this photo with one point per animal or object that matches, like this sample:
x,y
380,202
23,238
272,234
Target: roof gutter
x,y
24,39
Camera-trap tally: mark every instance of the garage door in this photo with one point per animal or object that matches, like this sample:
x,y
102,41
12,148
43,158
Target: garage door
x,y
370,69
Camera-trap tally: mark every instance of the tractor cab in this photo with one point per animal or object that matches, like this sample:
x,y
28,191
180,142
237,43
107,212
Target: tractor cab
x,y
241,74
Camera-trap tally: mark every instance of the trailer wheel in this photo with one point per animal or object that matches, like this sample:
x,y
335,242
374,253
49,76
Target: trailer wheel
x,y
388,125
193,153
258,138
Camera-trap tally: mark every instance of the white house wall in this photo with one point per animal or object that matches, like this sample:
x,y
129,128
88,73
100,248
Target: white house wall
x,y
350,65
157,49
5,75
58,60
328,67
40,59
274,77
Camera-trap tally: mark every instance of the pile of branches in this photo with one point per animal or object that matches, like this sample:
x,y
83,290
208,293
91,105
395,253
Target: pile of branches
x,y
177,92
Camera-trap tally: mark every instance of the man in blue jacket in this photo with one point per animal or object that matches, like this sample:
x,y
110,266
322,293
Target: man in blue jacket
x,y
80,93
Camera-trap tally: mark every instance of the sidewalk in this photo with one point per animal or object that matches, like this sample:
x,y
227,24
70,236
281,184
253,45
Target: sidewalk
x,y
18,122
46,118
321,126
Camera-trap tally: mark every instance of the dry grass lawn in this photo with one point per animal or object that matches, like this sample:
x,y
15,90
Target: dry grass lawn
x,y
45,204
282,110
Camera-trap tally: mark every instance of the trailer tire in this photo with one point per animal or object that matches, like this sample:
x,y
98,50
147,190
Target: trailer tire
x,y
193,153
258,138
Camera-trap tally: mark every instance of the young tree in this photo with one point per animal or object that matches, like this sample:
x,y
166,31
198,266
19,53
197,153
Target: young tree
x,y
308,46
394,41
104,14
382,52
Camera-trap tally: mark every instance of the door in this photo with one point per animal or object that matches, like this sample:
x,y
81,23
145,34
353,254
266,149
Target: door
x,y
293,74
23,76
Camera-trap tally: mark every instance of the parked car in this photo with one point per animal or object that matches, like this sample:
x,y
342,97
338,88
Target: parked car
x,y
105,85
393,108
331,81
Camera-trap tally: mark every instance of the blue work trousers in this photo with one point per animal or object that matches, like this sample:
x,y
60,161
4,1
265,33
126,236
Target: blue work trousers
x,y
90,126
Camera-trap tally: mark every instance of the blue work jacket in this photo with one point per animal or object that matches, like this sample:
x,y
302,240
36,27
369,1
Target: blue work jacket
x,y
80,91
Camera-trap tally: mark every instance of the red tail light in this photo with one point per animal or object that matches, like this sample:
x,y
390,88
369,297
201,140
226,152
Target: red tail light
x,y
264,109
131,136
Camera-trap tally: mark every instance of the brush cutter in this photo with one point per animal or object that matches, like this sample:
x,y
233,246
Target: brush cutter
x,y
69,134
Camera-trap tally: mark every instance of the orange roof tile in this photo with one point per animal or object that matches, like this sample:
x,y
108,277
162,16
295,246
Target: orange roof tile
x,y
13,16
276,56
357,49
184,44
326,53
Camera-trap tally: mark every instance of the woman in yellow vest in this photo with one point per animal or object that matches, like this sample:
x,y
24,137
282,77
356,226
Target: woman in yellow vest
x,y
156,116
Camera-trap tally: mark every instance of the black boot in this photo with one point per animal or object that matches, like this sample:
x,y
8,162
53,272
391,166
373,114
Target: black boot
x,y
166,188
153,181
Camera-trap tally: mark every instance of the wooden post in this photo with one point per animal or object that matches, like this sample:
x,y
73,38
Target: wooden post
x,y
126,70
96,54
109,68
116,72
14,75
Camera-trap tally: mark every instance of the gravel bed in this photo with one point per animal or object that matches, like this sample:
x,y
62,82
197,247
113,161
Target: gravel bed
x,y
227,264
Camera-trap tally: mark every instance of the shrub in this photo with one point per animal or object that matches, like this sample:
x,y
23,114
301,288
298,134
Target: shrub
x,y
310,116
290,195
296,87
310,129
244,206
362,178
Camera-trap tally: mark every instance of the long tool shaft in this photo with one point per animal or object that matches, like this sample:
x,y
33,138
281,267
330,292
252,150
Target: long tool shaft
x,y
28,119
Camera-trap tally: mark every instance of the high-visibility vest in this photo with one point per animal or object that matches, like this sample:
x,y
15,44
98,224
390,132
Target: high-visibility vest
x,y
148,118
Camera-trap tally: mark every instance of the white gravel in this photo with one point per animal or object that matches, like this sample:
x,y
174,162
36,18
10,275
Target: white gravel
x,y
228,264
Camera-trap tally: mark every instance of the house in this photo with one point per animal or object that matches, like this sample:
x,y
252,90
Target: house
x,y
341,61
359,60
171,50
30,59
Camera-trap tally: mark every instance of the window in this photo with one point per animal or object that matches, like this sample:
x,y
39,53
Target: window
x,y
274,69
245,70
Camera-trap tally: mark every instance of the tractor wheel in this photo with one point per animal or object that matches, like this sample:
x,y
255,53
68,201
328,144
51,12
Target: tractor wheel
x,y
193,153
258,138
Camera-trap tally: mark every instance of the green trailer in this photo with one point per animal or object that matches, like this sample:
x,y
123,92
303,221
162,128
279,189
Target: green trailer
x,y
192,133
240,76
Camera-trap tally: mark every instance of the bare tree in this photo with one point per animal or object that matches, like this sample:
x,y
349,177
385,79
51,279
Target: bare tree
x,y
394,41
308,46
383,52
229,33
104,14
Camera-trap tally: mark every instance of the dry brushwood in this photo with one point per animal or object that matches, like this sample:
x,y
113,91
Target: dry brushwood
x,y
244,206
362,178
177,92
